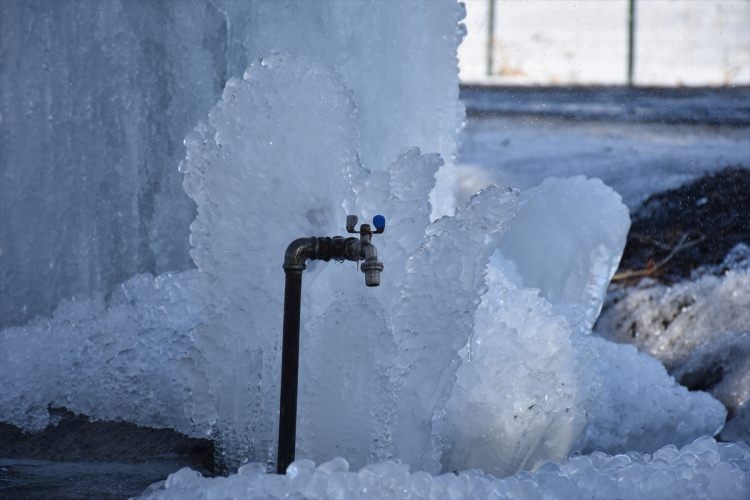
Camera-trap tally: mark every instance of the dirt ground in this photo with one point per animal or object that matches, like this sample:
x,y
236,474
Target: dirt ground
x,y
676,231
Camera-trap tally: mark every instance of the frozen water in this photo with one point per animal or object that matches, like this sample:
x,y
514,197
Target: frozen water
x,y
566,241
271,164
434,319
514,404
293,145
533,385
699,328
124,355
379,365
253,139
632,403
96,98
701,469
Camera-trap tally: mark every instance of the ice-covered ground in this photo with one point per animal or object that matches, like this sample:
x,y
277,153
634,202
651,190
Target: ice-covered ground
x,y
700,470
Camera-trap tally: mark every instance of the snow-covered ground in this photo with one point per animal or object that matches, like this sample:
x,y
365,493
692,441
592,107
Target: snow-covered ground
x,y
635,159
703,469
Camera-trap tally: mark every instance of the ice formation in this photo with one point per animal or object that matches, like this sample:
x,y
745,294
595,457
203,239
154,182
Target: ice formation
x,y
409,370
533,383
566,241
379,365
97,97
126,355
701,469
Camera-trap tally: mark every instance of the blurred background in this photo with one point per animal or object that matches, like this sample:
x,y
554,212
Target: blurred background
x,y
607,42
645,94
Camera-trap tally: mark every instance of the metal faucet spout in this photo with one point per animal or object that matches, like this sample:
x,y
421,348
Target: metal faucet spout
x,y
371,266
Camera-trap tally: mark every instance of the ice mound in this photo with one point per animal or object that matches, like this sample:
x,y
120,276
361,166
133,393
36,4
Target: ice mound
x,y
403,370
516,395
533,385
701,469
243,169
632,403
292,147
126,355
271,164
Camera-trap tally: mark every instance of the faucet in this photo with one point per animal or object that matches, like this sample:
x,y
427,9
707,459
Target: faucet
x,y
297,254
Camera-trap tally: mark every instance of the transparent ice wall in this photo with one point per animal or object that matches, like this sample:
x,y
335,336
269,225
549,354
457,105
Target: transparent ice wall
x,y
96,98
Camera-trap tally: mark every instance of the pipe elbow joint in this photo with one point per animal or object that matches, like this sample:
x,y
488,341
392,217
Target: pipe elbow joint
x,y
297,254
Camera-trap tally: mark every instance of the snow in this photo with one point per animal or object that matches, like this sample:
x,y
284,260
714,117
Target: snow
x,y
701,469
670,322
699,329
634,159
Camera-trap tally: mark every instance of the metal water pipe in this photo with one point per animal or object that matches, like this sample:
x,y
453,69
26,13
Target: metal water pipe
x,y
297,254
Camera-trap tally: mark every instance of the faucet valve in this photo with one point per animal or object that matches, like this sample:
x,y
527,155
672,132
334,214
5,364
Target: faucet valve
x,y
378,221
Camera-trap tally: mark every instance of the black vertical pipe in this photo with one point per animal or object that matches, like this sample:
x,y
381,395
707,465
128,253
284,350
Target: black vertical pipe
x,y
631,41
289,370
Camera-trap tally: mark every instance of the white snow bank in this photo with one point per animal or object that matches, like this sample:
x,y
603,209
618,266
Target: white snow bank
x,y
699,328
701,469
670,322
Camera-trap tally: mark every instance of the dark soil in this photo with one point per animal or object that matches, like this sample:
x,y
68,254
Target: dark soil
x,y
676,231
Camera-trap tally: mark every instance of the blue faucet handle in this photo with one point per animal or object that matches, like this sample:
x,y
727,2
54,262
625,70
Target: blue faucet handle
x,y
379,222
